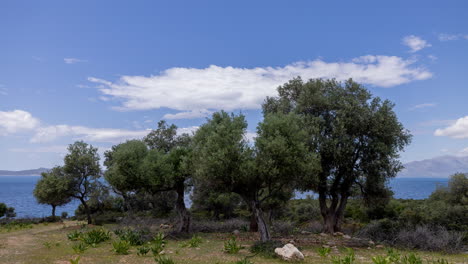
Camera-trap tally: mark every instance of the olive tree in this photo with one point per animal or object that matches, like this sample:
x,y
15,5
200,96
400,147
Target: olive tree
x,y
83,171
53,189
166,167
257,173
357,136
124,173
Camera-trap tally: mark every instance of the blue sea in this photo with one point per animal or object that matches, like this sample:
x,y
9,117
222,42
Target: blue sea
x,y
16,191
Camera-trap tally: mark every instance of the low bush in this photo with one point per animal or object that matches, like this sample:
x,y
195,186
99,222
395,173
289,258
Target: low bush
x,y
121,247
95,236
323,251
194,242
231,246
142,251
79,248
135,237
284,228
430,238
75,260
350,258
75,235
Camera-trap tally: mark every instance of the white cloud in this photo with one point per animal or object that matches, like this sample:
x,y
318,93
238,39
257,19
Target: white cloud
x,y
195,92
17,121
415,43
450,37
50,133
457,130
421,106
72,60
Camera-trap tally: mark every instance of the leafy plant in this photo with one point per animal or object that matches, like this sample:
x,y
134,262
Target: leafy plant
x,y
323,251
79,248
393,255
194,242
47,244
142,251
75,261
381,260
121,247
135,237
231,246
159,238
348,259
157,248
75,235
95,237
164,260
411,259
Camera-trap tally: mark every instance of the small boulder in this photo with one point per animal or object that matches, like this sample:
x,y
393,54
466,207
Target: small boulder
x,y
347,237
236,232
289,253
338,234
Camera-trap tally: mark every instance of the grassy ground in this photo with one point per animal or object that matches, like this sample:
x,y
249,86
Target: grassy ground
x,y
48,243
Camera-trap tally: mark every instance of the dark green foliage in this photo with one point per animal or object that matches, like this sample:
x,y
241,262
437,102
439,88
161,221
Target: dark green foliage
x,y
216,205
95,236
74,235
6,211
79,248
143,251
53,189
194,242
323,251
266,249
357,136
121,247
83,171
134,237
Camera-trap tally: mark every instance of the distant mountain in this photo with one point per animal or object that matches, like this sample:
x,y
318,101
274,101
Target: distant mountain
x,y
35,172
439,167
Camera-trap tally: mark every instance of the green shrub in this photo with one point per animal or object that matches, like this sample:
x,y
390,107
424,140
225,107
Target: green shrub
x,y
142,251
231,246
96,236
267,249
348,259
159,238
135,237
75,235
411,259
47,244
381,260
121,247
79,248
164,260
393,255
157,248
194,242
323,251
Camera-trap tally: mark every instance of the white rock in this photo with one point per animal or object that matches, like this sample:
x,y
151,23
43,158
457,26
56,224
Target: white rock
x,y
289,253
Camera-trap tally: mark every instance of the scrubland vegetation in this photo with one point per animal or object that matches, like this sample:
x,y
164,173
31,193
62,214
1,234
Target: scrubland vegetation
x,y
333,139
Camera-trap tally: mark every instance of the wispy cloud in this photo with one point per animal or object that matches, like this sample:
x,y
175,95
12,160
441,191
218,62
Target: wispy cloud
x,y
3,90
415,43
459,129
72,60
451,37
196,92
46,149
422,106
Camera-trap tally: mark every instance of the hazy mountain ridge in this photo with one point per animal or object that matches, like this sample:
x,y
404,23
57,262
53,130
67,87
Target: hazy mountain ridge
x,y
438,167
34,172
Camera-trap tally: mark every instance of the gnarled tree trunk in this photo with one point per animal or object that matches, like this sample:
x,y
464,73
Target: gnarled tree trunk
x,y
53,211
184,214
86,207
262,225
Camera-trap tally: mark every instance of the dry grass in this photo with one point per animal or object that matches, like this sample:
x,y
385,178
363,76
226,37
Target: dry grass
x,y
27,246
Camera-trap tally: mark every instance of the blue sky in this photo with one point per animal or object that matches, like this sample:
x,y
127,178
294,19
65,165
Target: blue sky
x,y
106,71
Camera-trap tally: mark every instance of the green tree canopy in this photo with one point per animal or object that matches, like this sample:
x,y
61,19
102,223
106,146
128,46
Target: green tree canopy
x,y
83,171
226,160
53,189
357,136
